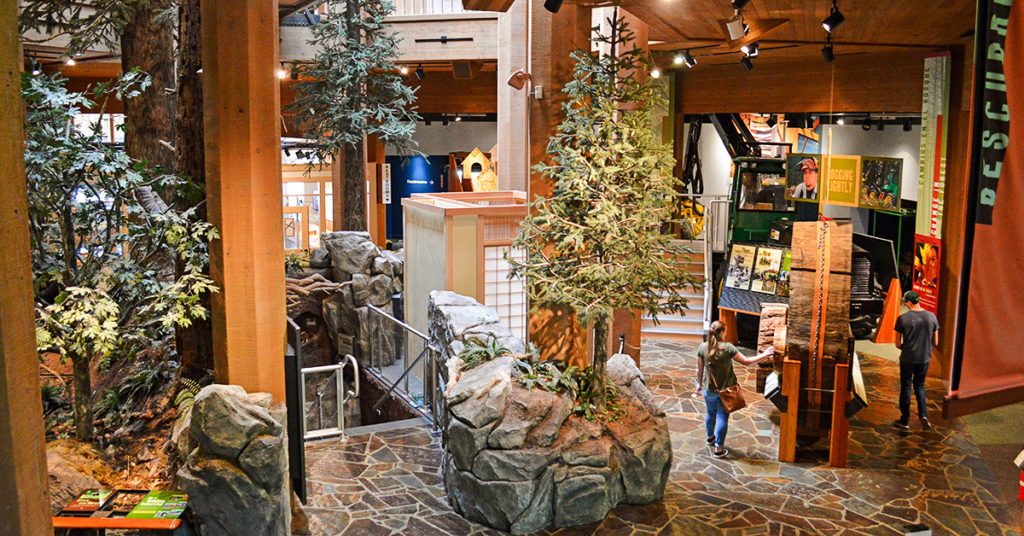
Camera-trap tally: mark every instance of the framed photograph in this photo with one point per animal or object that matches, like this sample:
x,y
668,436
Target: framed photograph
x,y
802,177
880,180
765,277
741,266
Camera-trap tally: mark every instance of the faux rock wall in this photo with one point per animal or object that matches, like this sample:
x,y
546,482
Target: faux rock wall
x,y
375,276
236,468
518,460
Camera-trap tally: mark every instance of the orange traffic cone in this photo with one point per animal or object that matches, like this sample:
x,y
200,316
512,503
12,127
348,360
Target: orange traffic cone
x,y
886,332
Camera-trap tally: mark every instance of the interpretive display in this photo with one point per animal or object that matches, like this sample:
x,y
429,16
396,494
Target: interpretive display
x,y
782,289
802,176
926,271
842,174
766,270
880,180
741,266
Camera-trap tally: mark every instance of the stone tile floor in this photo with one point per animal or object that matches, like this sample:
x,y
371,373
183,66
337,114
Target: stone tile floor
x,y
388,482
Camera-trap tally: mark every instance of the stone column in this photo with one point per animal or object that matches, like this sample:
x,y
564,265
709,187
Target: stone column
x,y
26,508
243,177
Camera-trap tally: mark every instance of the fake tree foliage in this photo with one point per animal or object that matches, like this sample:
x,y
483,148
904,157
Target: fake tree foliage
x,y
103,265
596,245
352,89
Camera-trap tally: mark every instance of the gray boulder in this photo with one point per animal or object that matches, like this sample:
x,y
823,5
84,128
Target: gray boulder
x,y
224,422
465,442
351,252
581,500
479,396
645,455
375,290
496,504
515,465
319,258
622,369
226,501
264,460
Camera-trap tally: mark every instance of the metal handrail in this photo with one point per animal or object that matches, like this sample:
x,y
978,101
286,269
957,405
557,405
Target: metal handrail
x,y
400,378
342,396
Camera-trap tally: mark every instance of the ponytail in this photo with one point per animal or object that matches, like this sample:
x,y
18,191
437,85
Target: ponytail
x,y
716,333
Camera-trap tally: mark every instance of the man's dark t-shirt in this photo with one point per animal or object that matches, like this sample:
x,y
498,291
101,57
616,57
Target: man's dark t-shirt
x,y
917,328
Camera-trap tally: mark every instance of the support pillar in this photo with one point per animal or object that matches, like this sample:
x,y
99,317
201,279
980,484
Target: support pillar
x,y
788,421
513,128
243,176
839,437
25,511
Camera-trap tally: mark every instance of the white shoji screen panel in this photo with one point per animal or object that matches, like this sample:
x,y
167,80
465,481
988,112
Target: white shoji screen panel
x,y
506,296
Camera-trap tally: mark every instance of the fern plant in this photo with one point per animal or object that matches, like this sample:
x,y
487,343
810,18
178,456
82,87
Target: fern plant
x,y
186,397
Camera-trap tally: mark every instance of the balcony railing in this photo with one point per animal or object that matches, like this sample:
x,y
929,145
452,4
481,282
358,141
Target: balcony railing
x,y
404,8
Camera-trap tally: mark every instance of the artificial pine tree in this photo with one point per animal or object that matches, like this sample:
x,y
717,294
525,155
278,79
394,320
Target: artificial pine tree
x,y
597,244
352,88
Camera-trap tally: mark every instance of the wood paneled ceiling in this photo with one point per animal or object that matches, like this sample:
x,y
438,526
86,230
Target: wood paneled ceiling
x,y
871,26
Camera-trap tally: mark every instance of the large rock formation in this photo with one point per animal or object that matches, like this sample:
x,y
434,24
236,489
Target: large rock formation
x,y
519,460
375,276
235,472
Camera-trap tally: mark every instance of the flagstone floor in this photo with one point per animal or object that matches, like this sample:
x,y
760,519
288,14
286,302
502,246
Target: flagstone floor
x,y
388,482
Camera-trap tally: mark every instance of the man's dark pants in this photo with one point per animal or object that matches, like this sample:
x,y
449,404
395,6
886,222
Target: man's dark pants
x,y
912,377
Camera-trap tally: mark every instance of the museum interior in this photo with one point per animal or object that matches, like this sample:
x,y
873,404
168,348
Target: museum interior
x,y
485,267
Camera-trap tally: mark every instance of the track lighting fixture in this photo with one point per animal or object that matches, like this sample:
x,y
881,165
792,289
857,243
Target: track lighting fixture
x,y
834,19
772,121
677,59
420,73
841,121
867,124
403,69
828,53
287,152
689,60
553,5
881,124
739,4
36,72
655,72
281,73
444,120
906,125
747,64
751,49
70,62
458,118
294,74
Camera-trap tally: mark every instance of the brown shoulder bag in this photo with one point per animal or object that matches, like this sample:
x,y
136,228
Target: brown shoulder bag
x,y
731,397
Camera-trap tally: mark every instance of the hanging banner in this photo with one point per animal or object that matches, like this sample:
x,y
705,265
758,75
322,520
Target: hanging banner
x,y
842,179
931,182
927,251
988,370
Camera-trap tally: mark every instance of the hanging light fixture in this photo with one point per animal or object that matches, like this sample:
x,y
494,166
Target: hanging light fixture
x,y
772,121
867,124
747,64
834,19
689,60
404,69
751,49
70,62
281,73
420,73
740,4
841,121
553,5
677,59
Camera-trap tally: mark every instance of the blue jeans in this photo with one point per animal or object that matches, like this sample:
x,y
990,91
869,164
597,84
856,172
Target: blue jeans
x,y
912,377
717,419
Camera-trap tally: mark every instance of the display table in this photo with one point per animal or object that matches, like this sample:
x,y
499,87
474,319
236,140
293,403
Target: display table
x,y
94,511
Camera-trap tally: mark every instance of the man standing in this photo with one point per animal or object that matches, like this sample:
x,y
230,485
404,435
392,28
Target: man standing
x,y
917,332
808,189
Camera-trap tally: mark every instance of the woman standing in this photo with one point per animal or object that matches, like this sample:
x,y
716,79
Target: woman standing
x,y
714,360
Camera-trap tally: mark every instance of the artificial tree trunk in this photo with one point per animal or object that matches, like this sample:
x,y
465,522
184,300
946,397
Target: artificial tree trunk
x,y
83,392
599,389
148,44
194,343
354,218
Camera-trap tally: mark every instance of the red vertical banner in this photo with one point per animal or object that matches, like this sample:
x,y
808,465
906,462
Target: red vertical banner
x,y
927,254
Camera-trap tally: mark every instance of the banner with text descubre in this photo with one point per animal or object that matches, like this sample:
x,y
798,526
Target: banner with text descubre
x,y
991,360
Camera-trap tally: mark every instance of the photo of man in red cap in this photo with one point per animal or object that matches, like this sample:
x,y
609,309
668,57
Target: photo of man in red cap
x,y
808,189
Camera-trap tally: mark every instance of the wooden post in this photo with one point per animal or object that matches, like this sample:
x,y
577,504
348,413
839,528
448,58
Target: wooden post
x,y
840,433
25,511
243,173
787,424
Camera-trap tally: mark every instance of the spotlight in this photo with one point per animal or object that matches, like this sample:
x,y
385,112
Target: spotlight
x,y
747,64
841,121
70,62
867,124
458,118
746,28
678,59
281,73
287,152
881,124
772,121
740,4
36,72
294,73
404,70
834,19
420,73
426,121
655,73
828,53
689,60
553,5
751,49
444,120
736,28
906,125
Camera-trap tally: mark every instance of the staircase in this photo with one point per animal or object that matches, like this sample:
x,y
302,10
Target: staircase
x,y
688,326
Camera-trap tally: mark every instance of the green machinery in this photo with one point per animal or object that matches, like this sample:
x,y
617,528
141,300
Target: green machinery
x,y
758,198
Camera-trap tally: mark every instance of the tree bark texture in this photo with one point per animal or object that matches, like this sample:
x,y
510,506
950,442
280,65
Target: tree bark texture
x,y
148,44
600,391
83,393
355,188
194,343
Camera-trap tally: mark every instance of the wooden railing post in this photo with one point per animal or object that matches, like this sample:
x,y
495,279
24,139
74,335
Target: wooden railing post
x,y
787,426
840,433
